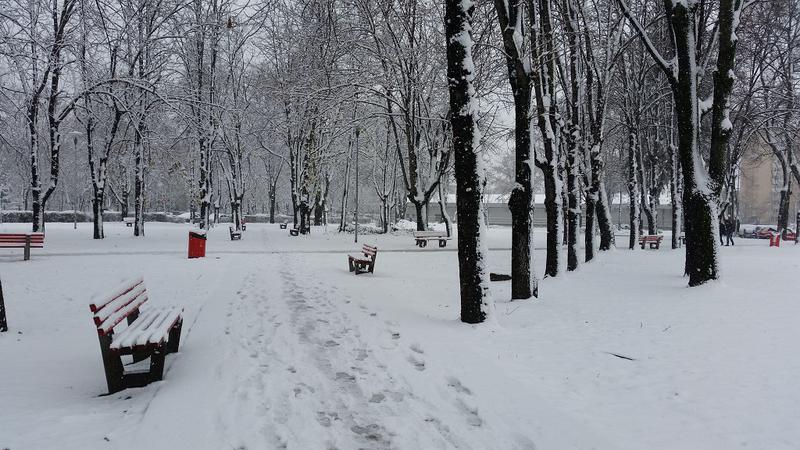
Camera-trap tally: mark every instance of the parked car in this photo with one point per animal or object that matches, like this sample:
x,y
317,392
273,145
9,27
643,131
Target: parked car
x,y
749,231
767,232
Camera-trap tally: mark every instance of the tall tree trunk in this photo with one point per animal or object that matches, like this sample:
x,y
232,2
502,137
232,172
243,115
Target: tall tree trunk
x,y
97,216
138,199
675,196
700,213
604,221
442,208
419,208
573,209
523,279
633,190
472,251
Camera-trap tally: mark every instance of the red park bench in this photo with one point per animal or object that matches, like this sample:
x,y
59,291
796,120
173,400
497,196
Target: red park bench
x,y
653,239
25,241
153,334
363,264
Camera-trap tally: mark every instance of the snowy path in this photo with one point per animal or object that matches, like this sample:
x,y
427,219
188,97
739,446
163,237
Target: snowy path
x,y
312,379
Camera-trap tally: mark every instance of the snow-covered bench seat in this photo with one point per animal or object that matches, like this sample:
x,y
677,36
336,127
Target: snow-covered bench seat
x,y
653,239
365,262
422,238
152,333
128,221
235,235
25,241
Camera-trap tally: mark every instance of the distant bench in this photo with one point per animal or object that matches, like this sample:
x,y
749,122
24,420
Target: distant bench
x,y
653,239
25,241
235,235
128,221
152,334
363,264
422,238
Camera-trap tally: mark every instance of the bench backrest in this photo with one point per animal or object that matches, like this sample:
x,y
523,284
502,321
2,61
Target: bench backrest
x,y
430,234
369,251
123,301
652,237
19,239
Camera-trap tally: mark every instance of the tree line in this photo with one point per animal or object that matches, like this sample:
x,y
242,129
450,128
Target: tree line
x,y
275,106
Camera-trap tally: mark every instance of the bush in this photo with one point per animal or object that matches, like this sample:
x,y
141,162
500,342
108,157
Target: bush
x,y
70,216
363,228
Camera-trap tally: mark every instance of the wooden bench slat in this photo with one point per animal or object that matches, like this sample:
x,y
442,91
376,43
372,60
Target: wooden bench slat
x,y
107,325
159,330
127,338
118,304
121,289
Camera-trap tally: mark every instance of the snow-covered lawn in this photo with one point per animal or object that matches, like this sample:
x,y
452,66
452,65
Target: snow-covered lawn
x,y
282,347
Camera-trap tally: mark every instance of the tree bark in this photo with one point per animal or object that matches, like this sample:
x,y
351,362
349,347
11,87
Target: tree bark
x,y
633,191
475,297
523,280
3,318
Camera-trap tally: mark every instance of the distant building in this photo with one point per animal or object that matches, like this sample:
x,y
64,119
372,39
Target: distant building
x,y
760,180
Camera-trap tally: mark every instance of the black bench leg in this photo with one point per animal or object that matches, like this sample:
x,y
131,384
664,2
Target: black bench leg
x,y
442,243
175,337
157,363
112,364
27,248
350,264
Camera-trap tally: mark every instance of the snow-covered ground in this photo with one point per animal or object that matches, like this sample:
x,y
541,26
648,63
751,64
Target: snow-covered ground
x,y
282,347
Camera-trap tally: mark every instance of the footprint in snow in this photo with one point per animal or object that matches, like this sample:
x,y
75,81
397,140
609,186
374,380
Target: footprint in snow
x,y
470,412
346,377
371,432
418,364
416,348
455,383
323,419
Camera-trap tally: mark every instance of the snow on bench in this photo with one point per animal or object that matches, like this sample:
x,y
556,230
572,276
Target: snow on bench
x,y
653,239
235,235
25,241
128,221
365,262
422,238
150,334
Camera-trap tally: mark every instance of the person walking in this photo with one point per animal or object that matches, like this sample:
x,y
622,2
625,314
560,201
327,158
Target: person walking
x,y
730,228
722,230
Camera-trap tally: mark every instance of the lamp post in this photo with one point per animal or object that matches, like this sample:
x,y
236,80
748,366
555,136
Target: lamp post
x,y
358,130
75,135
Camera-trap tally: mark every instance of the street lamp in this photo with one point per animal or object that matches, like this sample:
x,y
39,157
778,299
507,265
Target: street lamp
x,y
358,130
75,135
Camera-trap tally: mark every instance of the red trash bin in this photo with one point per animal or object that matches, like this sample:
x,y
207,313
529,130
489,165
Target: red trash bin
x,y
775,240
197,244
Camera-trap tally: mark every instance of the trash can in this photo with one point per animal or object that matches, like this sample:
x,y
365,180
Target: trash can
x,y
197,244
